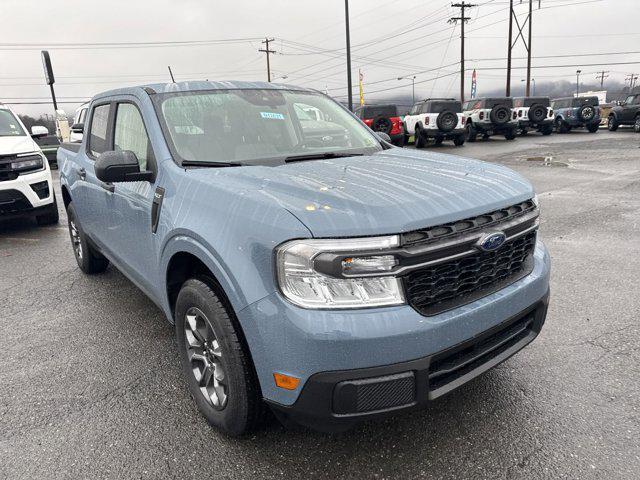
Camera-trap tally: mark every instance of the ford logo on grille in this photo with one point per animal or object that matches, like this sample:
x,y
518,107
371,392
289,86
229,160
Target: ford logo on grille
x,y
491,241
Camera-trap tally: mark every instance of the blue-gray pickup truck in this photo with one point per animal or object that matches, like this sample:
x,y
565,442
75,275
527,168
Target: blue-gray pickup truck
x,y
308,265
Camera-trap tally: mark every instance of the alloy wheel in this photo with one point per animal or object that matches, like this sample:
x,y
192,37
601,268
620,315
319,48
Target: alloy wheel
x,y
205,357
75,239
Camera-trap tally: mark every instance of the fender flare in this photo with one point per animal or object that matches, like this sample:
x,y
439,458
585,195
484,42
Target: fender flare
x,y
189,242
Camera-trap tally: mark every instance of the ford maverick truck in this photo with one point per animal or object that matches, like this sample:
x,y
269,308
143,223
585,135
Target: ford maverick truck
x,y
310,268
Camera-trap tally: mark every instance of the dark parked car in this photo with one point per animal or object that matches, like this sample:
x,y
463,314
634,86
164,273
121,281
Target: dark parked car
x,y
534,113
385,119
626,114
576,112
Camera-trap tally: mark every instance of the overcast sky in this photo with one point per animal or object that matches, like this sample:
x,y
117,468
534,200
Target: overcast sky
x,y
390,38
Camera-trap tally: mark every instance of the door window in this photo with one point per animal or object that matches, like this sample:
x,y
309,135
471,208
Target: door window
x,y
98,133
130,133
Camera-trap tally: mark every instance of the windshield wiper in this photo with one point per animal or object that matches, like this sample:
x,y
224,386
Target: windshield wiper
x,y
195,163
320,156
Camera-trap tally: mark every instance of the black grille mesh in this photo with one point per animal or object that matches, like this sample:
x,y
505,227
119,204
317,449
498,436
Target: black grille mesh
x,y
13,201
385,393
433,289
467,225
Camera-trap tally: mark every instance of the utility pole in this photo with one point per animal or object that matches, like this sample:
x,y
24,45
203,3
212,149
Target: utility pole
x,y
348,38
528,22
632,77
267,51
413,86
601,76
462,19
578,72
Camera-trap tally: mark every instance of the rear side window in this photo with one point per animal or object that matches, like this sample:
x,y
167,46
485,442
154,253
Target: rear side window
x,y
415,109
379,111
439,107
130,133
98,133
492,102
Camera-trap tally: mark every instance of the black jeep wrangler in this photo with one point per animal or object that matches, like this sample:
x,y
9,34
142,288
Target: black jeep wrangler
x,y
628,113
490,116
534,113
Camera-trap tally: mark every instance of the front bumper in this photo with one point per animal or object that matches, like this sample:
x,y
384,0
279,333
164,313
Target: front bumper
x,y
333,401
302,343
20,197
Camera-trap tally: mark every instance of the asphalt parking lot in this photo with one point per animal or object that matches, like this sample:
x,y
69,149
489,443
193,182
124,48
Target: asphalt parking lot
x,y
91,386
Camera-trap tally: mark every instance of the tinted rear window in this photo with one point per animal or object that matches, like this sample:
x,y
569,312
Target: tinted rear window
x,y
580,101
441,106
492,102
379,110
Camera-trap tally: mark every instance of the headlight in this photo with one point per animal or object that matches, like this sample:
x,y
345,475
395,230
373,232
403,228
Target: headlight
x,y
536,201
27,162
302,284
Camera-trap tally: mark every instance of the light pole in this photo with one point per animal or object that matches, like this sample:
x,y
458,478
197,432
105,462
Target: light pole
x,y
578,72
348,39
413,87
533,80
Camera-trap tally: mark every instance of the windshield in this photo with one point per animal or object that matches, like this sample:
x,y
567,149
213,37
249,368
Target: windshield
x,y
9,126
247,125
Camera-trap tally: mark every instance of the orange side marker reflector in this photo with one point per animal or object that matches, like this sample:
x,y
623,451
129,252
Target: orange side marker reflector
x,y
285,381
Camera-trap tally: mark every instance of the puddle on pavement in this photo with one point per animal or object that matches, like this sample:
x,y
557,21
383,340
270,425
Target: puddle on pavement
x,y
547,161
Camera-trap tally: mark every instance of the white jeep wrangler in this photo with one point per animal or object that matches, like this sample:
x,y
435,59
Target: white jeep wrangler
x,y
490,116
435,118
534,113
26,185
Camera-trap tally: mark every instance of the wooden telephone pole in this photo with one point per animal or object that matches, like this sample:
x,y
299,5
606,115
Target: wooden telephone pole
x,y
462,19
267,51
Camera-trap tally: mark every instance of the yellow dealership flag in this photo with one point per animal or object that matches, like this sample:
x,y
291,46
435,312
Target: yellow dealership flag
x,y
361,77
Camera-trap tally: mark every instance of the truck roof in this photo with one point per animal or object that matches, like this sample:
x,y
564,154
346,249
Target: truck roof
x,y
199,85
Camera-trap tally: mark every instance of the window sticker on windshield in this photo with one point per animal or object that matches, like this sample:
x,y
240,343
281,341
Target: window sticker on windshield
x,y
272,115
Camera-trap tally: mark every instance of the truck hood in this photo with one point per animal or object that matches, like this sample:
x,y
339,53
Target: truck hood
x,y
14,145
393,191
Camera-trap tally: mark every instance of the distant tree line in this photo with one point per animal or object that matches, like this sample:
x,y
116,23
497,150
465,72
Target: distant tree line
x,y
43,120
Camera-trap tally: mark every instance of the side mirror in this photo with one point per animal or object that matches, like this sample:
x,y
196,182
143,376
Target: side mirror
x,y
120,166
38,131
77,128
383,136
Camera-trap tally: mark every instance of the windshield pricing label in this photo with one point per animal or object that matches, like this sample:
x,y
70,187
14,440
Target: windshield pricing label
x,y
272,115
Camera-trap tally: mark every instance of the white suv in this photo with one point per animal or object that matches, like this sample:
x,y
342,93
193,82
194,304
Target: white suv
x,y
534,113
26,186
435,118
490,116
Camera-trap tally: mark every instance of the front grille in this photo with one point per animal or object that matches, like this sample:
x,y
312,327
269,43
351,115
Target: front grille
x,y
13,201
452,364
448,285
468,225
6,173
445,268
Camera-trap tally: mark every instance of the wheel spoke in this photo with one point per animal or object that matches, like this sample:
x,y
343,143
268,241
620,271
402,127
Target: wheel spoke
x,y
207,376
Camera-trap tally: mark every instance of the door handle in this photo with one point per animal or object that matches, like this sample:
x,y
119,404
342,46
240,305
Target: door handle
x,y
82,173
109,187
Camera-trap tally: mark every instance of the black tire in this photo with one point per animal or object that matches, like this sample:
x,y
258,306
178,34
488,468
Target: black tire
x,y
470,133
52,216
510,135
419,138
636,125
523,131
224,360
561,126
458,141
406,135
612,123
537,113
399,142
500,114
438,141
547,129
593,127
89,260
446,121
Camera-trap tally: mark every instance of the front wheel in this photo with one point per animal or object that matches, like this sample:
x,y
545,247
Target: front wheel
x,y
612,124
636,125
561,126
510,135
89,260
419,139
218,368
458,141
547,130
593,127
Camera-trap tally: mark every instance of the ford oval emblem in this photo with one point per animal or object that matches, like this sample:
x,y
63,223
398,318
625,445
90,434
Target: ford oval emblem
x,y
491,241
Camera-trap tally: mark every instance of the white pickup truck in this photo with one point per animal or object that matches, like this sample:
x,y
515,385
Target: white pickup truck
x,y
436,119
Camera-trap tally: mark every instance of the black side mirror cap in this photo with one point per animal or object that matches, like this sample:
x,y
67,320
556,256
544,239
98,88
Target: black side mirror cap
x,y
77,128
120,166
